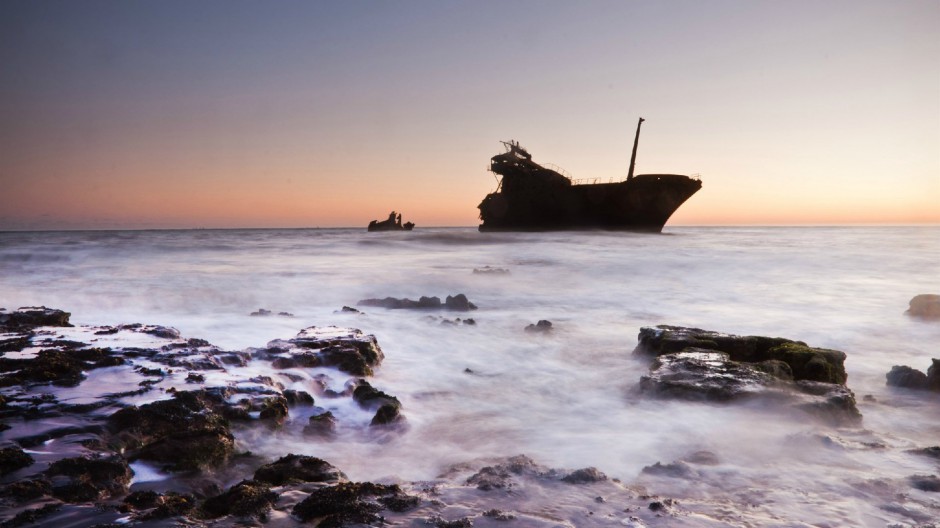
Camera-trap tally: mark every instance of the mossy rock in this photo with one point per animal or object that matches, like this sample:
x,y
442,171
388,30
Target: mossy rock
x,y
812,364
90,479
13,458
248,498
342,504
298,468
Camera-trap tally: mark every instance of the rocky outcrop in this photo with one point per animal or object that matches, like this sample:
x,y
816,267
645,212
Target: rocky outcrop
x,y
695,364
805,362
457,302
346,349
542,327
29,317
925,306
346,503
910,378
293,468
185,433
83,479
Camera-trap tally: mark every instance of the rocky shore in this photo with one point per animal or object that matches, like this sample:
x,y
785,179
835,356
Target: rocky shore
x,y
136,425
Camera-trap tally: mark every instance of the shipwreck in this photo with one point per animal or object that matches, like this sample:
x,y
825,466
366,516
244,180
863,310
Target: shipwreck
x,y
392,223
533,197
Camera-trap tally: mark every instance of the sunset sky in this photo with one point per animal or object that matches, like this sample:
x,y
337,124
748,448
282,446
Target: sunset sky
x,y
167,114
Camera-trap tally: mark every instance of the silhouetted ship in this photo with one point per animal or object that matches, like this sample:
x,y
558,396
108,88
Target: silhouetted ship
x,y
531,197
393,223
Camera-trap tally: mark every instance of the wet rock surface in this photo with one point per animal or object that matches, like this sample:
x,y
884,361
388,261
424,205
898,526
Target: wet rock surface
x,y
542,327
152,434
925,306
458,302
695,364
910,378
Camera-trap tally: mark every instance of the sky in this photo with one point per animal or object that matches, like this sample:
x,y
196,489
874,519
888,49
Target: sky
x,y
212,114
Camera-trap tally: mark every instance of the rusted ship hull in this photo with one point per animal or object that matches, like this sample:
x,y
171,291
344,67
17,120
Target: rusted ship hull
x,y
532,197
644,203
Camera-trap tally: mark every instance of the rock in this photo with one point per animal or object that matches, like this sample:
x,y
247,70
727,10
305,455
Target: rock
x,y
906,377
12,459
491,477
700,374
910,378
60,367
400,502
584,476
194,377
805,362
345,503
387,414
25,490
933,375
677,469
925,482
84,479
248,498
368,397
298,468
346,349
32,316
186,432
457,302
487,270
295,398
321,425
275,410
154,506
707,375
925,306
348,309
260,313
542,326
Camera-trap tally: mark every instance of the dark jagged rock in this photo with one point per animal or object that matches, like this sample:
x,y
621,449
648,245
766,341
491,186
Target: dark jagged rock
x,y
439,522
31,516
491,477
275,410
933,375
700,374
498,515
805,362
346,503
60,367
911,378
400,502
348,309
457,302
925,482
298,468
695,364
25,490
248,498
187,432
925,306
12,459
195,377
368,397
677,469
153,506
387,414
543,326
584,476
83,479
321,425
906,377
29,317
295,398
342,348
932,452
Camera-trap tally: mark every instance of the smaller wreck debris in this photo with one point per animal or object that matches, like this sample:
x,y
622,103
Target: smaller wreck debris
x,y
392,223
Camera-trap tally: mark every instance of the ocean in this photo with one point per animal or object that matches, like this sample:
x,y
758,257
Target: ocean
x,y
567,398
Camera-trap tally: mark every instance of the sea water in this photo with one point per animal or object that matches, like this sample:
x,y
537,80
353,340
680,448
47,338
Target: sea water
x,y
566,398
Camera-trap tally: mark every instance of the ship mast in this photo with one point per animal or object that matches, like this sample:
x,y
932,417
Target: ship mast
x,y
635,142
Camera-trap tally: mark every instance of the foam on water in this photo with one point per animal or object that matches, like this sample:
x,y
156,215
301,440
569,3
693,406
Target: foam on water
x,y
567,398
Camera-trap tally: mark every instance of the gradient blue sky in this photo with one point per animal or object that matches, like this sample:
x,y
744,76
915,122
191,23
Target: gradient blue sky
x,y
299,114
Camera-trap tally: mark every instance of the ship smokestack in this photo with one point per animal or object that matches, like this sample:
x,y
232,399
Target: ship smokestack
x,y
636,141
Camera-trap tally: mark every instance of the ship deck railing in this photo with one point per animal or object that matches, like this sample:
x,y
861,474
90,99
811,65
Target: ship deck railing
x,y
592,181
